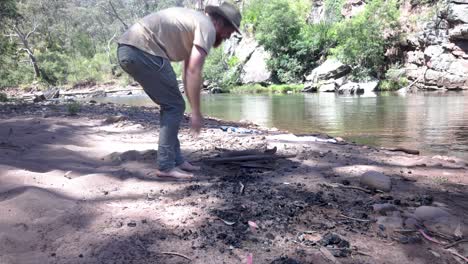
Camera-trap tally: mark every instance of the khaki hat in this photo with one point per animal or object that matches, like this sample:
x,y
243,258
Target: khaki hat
x,y
228,11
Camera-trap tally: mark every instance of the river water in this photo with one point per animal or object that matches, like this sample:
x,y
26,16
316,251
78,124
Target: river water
x,y
434,123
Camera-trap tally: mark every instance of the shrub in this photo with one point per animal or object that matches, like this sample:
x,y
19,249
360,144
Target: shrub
x,y
73,108
364,38
3,97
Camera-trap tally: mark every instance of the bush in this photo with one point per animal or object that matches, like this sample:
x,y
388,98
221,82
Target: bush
x,y
73,108
364,39
3,97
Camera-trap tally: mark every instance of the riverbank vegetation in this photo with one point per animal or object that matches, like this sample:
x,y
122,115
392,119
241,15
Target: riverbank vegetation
x,y
68,43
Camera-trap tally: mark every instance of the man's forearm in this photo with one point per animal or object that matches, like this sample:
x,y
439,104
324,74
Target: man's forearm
x,y
192,85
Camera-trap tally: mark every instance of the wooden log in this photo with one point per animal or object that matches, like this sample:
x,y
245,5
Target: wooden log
x,y
247,158
405,150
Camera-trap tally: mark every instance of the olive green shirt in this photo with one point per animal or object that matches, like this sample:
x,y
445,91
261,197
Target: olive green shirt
x,y
171,33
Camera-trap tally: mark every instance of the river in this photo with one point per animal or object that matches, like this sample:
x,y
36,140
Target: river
x,y
434,123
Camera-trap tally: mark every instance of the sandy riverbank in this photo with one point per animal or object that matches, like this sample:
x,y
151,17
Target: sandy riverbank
x,y
76,189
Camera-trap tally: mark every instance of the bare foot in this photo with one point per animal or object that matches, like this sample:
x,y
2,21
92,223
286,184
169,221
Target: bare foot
x,y
188,167
175,173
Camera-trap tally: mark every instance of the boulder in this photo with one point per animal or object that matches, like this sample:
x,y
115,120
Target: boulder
x,y
330,69
458,13
358,88
328,87
246,48
350,88
459,32
255,70
376,180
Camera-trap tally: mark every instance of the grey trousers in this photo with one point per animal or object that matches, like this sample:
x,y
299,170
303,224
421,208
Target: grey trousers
x,y
156,76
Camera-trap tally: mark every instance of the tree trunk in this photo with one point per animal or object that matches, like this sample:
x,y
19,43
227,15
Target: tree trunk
x,y
24,40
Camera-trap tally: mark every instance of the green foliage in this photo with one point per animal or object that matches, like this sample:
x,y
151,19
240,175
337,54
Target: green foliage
x,y
394,79
97,68
362,41
73,108
333,10
257,88
220,69
393,85
3,98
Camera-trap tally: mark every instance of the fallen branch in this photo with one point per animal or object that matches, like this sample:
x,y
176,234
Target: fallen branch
x,y
253,165
355,219
405,150
338,185
456,243
405,230
455,253
176,254
248,158
426,236
361,253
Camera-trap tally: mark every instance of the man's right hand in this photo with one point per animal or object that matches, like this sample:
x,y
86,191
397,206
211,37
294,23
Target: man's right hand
x,y
196,123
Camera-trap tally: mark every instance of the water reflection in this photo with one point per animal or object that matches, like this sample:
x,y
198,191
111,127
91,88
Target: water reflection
x,y
432,123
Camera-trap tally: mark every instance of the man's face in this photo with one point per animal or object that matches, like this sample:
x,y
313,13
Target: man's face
x,y
222,33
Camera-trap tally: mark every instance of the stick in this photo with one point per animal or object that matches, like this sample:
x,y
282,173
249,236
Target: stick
x,y
405,230
356,219
252,165
361,253
456,243
458,255
241,190
338,185
176,254
248,158
426,236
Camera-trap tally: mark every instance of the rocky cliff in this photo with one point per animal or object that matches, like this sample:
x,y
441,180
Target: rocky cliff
x,y
437,57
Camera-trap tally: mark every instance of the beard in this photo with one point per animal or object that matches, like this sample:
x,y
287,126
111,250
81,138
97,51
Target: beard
x,y
218,41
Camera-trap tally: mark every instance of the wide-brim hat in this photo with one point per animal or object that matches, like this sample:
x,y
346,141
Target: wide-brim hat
x,y
227,10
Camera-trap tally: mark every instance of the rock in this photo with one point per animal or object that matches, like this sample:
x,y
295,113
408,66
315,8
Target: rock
x,y
415,57
255,70
216,90
329,87
330,69
383,209
433,51
334,239
337,246
429,213
457,13
350,88
459,32
376,180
